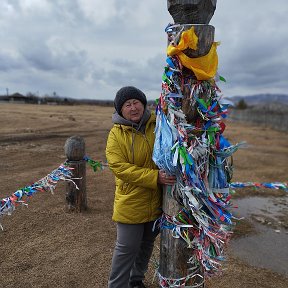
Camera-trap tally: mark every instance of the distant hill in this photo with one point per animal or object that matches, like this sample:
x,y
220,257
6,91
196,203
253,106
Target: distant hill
x,y
261,99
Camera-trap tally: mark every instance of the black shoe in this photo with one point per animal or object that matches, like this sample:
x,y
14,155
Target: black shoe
x,y
137,284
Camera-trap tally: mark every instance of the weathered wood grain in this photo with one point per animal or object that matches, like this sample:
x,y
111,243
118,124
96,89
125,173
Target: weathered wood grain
x,y
75,151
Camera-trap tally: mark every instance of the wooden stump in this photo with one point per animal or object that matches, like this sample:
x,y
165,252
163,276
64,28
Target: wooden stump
x,y
75,152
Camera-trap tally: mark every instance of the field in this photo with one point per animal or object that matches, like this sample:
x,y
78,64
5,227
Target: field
x,y
45,245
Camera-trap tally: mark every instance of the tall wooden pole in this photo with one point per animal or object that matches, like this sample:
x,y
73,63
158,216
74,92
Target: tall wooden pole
x,y
174,255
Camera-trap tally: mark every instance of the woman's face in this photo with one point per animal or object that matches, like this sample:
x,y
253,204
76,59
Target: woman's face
x,y
133,110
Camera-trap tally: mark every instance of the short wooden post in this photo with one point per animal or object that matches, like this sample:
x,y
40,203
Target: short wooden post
x,y
174,254
75,152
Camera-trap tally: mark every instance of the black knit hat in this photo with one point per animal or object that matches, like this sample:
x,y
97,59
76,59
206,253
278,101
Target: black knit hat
x,y
127,93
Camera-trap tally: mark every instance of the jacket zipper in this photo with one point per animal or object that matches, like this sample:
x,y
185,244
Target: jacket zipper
x,y
151,195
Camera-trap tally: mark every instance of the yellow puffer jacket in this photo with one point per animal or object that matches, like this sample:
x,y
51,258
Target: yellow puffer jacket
x,y
137,196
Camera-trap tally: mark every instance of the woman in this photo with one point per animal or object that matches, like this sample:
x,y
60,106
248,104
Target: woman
x,y
137,202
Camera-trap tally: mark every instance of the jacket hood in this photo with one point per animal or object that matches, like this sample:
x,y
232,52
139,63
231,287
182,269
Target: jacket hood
x,y
118,119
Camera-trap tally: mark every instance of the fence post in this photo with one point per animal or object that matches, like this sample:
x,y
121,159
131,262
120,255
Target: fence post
x,y
75,151
174,256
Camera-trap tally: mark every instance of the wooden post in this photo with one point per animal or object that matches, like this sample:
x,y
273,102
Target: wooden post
x,y
174,254
75,152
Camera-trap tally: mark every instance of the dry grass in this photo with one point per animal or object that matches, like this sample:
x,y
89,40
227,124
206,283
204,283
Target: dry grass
x,y
45,246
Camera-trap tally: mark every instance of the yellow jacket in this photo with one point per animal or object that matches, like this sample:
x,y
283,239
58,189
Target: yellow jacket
x,y
137,195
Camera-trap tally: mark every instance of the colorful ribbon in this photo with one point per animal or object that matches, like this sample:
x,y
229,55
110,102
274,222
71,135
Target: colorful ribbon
x,y
204,67
47,183
273,185
197,154
95,165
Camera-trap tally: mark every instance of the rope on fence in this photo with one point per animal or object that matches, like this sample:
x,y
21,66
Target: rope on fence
x,y
45,184
273,185
64,173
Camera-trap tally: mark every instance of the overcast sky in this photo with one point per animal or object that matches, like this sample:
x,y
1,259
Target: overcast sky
x,y
91,48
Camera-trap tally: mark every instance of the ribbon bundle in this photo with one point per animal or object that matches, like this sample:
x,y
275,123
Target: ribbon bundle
x,y
47,183
273,185
95,165
175,283
198,154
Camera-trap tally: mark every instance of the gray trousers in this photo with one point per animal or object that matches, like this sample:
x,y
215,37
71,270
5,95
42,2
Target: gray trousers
x,y
132,253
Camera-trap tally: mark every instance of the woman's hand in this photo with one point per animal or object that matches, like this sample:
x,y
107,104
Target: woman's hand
x,y
165,179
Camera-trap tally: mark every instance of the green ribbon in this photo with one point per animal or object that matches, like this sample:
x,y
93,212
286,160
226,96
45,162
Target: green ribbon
x,y
222,78
183,153
95,165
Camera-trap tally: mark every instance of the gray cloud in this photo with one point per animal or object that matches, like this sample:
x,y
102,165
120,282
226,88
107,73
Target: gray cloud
x,y
89,49
254,40
9,62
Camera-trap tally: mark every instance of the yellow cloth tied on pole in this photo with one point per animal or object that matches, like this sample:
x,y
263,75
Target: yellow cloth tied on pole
x,y
204,67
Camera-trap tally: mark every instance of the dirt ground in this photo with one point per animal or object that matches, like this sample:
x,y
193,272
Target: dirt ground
x,y
44,245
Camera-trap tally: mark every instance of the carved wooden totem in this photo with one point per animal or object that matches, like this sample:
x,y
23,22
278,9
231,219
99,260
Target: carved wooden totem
x,y
174,255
